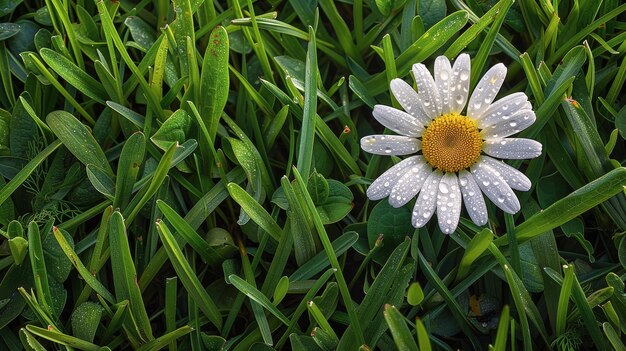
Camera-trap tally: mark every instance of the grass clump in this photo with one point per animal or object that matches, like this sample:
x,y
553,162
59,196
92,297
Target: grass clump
x,y
188,175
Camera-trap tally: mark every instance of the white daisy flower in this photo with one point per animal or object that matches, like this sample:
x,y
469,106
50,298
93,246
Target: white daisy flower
x,y
454,153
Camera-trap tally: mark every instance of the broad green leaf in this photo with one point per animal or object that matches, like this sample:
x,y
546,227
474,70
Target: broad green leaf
x,y
214,81
140,31
393,223
415,294
281,290
8,7
14,277
176,128
19,249
128,167
85,320
22,129
402,336
101,181
318,188
213,342
338,203
432,11
8,30
78,139
58,265
479,243
75,76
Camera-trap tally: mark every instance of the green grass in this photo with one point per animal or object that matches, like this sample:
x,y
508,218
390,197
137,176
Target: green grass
x,y
187,175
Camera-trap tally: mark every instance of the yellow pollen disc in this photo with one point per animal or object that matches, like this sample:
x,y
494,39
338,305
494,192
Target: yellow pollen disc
x,y
451,142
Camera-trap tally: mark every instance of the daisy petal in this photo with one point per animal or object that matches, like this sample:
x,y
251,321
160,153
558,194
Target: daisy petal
x,y
512,148
382,186
503,108
459,86
426,201
486,90
429,96
473,198
390,145
514,178
410,184
409,100
443,75
496,189
448,203
398,121
510,125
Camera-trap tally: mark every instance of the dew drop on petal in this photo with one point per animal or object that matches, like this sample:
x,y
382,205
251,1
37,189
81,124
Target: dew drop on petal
x,y
443,187
463,181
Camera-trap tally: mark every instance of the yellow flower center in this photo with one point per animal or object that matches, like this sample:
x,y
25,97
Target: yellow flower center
x,y
451,142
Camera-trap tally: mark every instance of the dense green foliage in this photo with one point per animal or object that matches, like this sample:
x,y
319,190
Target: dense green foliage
x,y
187,175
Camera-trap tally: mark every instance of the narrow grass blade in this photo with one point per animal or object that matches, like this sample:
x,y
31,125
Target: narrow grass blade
x,y
124,274
571,206
62,339
25,172
80,267
307,133
205,251
502,331
38,264
257,296
258,214
188,277
162,341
